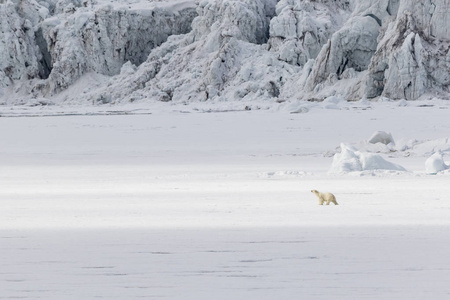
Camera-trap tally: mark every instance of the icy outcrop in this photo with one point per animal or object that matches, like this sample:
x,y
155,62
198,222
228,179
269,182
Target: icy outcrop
x,y
397,49
68,39
105,39
435,164
352,160
301,28
413,54
350,49
264,51
382,137
19,56
223,58
245,20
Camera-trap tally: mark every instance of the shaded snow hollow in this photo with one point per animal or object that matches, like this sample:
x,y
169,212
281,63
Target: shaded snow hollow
x,y
106,51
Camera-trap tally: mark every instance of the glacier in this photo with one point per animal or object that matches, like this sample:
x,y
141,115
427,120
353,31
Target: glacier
x,y
94,52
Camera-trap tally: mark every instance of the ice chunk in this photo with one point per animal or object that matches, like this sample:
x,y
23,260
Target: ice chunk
x,y
381,137
346,161
351,160
435,164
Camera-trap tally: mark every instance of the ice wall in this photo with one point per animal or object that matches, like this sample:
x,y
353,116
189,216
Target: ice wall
x,y
413,53
302,28
104,39
19,56
52,44
223,50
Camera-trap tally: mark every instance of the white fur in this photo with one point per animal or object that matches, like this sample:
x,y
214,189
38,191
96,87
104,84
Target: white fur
x,y
325,197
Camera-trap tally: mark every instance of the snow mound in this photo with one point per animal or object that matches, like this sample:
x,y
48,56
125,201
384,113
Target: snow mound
x,y
381,137
435,164
352,160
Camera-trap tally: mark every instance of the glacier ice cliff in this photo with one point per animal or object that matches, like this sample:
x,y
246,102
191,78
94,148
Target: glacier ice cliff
x,y
413,54
46,46
182,51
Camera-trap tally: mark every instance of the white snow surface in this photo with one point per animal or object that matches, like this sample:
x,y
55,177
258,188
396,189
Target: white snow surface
x,y
188,202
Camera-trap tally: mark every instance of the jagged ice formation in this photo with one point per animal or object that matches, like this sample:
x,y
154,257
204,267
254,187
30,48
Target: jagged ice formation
x,y
87,51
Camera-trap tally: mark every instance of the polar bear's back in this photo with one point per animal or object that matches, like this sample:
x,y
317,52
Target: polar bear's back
x,y
327,196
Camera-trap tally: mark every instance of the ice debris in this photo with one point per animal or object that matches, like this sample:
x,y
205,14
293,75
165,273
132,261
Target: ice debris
x,y
351,160
435,164
382,137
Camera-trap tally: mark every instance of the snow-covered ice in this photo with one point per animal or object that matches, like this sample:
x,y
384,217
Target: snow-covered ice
x,y
435,164
182,202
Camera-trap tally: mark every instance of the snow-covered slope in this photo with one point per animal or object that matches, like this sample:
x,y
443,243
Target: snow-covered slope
x,y
71,51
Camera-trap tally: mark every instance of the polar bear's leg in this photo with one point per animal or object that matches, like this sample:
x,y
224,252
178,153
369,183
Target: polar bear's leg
x,y
333,199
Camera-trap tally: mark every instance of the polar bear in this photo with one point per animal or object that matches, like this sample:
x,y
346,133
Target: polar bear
x,y
325,197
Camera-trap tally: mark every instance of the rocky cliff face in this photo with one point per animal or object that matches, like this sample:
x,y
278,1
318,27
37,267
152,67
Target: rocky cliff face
x,y
223,50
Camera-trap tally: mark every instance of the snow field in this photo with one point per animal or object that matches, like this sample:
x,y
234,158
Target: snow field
x,y
218,206
402,262
102,200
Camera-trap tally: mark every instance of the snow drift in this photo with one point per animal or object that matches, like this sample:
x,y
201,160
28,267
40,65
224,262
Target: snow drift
x,y
223,50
